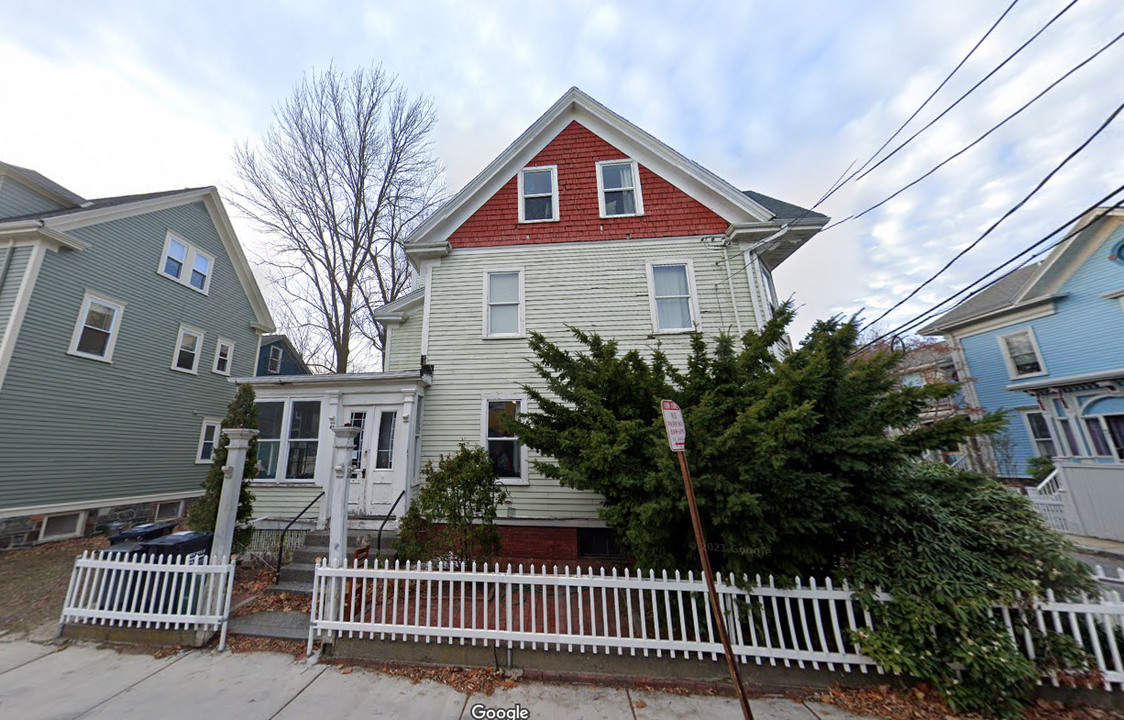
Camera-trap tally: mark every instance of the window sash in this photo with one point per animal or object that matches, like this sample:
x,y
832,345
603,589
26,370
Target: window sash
x,y
1040,434
187,350
505,298
618,191
208,441
504,448
384,452
175,259
537,204
1096,434
200,269
274,360
223,351
671,292
1022,354
302,443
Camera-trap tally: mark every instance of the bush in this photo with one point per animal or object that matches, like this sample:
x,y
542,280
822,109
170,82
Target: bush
x,y
1039,468
453,515
962,546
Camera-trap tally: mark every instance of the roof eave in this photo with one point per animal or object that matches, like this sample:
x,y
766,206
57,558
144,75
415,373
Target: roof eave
x,y
941,329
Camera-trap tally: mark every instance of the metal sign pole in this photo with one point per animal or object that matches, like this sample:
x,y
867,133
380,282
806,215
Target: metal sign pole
x,y
677,435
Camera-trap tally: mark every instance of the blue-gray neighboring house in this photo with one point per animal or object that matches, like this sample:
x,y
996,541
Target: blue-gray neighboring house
x,y
122,320
278,356
1046,343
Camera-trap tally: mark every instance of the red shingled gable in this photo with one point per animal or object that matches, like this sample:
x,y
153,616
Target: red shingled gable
x,y
668,211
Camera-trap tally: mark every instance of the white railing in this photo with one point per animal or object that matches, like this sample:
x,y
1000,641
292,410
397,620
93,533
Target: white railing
x,y
139,591
816,624
1052,485
1053,512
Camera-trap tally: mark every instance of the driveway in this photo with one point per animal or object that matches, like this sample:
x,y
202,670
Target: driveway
x,y
41,682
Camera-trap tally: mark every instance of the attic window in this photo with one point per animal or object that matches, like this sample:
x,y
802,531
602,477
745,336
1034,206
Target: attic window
x,y
538,194
275,360
186,264
618,189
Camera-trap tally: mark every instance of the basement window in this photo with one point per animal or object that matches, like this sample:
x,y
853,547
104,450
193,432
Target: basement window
x,y
597,543
166,511
62,527
538,194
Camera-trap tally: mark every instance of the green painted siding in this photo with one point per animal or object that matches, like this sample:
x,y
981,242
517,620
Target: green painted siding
x,y
77,430
12,267
405,344
594,286
284,502
17,199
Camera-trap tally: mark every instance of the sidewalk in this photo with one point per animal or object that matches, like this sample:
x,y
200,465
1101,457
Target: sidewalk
x,y
1096,546
38,682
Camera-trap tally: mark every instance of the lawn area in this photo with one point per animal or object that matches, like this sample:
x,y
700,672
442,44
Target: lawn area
x,y
33,582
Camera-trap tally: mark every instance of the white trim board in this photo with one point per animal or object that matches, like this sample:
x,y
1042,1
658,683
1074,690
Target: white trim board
x,y
95,504
19,308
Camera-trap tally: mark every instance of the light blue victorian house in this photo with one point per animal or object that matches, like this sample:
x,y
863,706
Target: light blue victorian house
x,y
1046,343
122,320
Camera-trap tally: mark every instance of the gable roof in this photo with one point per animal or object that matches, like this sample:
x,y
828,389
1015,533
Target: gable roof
x,y
54,226
294,354
736,207
999,295
43,184
782,210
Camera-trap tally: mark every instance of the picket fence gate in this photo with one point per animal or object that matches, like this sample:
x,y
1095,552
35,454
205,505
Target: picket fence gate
x,y
150,592
816,624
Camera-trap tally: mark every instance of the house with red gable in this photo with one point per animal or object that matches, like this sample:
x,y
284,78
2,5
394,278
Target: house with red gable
x,y
585,220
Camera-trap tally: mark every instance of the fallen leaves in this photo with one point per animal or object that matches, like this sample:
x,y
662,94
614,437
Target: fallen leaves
x,y
484,681
924,703
247,643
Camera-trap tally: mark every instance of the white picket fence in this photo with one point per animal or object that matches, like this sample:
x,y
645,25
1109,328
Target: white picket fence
x,y
1047,497
139,591
812,624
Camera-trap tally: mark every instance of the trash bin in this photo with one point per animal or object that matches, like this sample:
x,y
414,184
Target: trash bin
x,y
181,592
141,533
182,544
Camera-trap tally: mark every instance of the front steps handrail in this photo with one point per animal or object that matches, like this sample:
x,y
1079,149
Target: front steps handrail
x,y
281,542
1052,485
378,548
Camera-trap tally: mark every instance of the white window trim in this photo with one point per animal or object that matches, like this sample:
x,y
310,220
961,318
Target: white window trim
x,y
80,323
553,198
269,362
1053,431
187,329
80,528
636,194
522,306
524,462
188,263
202,434
1011,371
694,300
281,478
229,357
179,510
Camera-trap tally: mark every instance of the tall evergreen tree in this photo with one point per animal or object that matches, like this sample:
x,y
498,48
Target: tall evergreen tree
x,y
242,413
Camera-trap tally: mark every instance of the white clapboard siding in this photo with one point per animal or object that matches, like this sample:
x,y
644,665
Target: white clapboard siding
x,y
814,624
139,591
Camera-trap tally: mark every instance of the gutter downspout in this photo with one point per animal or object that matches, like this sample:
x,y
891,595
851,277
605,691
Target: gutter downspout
x,y
729,281
752,271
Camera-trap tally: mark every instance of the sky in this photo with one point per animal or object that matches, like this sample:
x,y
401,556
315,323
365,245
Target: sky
x,y
778,96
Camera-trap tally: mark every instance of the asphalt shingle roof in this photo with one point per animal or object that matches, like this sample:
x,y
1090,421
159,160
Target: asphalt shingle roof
x,y
782,210
100,203
998,295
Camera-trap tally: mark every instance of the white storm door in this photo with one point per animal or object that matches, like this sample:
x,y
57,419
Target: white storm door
x,y
382,468
358,460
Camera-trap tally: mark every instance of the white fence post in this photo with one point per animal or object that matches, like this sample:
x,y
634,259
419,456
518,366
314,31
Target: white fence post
x,y
237,447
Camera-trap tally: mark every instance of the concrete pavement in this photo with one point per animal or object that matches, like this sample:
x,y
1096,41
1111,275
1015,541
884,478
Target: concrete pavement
x,y
39,682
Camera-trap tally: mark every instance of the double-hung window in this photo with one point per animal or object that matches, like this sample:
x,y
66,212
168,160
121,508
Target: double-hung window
x,y
1020,350
189,345
538,194
208,440
186,264
504,447
224,355
503,303
95,333
1040,434
274,360
288,439
618,188
671,294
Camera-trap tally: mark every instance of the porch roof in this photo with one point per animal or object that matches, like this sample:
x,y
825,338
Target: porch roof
x,y
351,379
1069,380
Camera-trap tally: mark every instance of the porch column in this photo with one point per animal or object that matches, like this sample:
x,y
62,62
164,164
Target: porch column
x,y
337,518
237,446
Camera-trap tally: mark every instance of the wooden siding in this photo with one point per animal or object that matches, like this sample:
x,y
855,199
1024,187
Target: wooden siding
x,y
285,501
12,276
599,287
77,430
405,344
17,199
668,211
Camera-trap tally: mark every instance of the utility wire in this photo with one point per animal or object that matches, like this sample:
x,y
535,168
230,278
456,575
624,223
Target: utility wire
x,y
980,139
1015,208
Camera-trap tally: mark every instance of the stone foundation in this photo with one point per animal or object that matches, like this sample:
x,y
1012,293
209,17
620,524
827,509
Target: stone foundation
x,y
17,532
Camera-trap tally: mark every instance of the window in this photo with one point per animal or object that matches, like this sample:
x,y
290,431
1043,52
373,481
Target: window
x,y
168,511
538,194
672,297
95,333
208,440
618,189
503,303
188,345
1070,438
270,416
186,264
1021,353
503,446
60,527
1096,434
223,352
384,454
1040,434
598,543
304,431
357,419
275,360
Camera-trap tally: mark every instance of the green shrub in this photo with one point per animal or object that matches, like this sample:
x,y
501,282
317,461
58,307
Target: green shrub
x,y
1039,468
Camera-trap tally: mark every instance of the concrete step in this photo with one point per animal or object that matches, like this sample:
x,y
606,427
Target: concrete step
x,y
282,625
310,554
301,573
293,588
321,539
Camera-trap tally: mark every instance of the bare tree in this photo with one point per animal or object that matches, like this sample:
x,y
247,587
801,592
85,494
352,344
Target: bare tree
x,y
344,173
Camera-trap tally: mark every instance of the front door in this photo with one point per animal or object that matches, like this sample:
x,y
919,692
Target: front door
x,y
372,475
